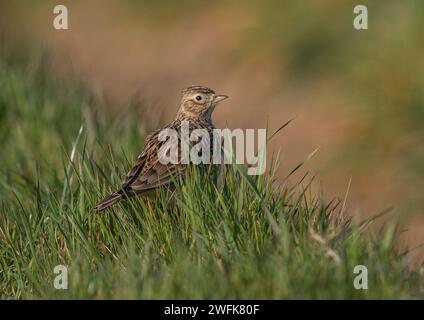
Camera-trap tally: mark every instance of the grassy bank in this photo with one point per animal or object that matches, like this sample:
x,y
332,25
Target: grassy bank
x,y
237,238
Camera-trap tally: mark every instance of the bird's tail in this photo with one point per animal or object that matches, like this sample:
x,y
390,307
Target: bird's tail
x,y
109,201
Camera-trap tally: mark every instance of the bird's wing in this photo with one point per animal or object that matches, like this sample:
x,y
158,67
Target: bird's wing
x,y
157,175
148,173
141,161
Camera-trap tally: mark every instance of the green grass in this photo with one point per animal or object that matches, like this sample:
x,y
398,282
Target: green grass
x,y
239,237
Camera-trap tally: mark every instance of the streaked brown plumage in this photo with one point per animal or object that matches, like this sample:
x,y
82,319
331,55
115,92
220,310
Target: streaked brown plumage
x,y
148,173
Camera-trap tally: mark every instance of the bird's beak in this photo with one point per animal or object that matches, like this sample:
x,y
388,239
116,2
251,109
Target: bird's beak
x,y
219,97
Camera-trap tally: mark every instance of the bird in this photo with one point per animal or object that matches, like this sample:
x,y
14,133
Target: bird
x,y
149,173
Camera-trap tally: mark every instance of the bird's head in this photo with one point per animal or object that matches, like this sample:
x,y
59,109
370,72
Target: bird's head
x,y
199,102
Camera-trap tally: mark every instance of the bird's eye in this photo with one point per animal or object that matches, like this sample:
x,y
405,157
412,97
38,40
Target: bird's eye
x,y
198,98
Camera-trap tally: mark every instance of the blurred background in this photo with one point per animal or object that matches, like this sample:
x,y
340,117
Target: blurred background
x,y
358,95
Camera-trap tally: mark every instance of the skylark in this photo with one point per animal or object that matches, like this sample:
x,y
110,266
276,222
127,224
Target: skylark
x,y
148,173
